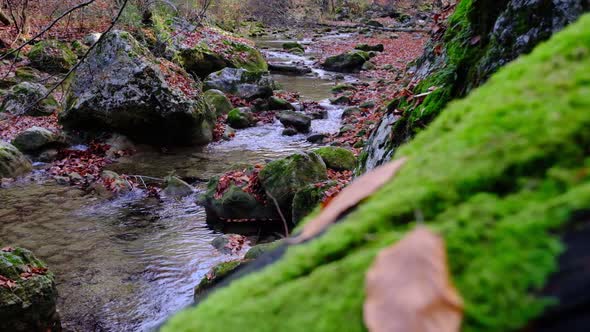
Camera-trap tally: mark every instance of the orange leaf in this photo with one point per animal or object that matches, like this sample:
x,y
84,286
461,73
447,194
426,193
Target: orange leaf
x,y
409,288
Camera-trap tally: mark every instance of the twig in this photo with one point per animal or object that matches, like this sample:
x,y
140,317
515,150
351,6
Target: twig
x,y
280,213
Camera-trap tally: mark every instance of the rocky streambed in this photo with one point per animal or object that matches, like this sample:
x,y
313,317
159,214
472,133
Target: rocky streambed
x,y
128,263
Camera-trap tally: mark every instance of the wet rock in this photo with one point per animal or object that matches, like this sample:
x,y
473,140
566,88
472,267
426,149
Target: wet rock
x,y
341,100
137,95
368,66
30,304
298,121
36,138
373,23
293,46
12,162
290,131
52,56
279,104
317,138
370,48
342,88
218,102
351,112
283,178
174,187
261,249
336,158
21,74
289,69
21,100
223,243
48,155
243,83
308,198
240,118
215,276
318,114
229,133
111,184
234,204
347,62
119,144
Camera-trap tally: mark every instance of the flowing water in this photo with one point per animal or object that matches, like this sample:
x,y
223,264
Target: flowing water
x,y
127,264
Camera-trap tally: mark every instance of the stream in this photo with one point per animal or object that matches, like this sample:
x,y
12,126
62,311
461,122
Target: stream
x,y
129,263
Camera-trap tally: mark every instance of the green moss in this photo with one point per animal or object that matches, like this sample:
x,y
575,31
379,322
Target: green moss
x,y
215,275
336,158
261,249
499,175
308,198
52,56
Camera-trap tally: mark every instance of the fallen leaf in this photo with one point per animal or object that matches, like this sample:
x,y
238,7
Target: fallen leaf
x,y
409,288
7,249
7,283
350,197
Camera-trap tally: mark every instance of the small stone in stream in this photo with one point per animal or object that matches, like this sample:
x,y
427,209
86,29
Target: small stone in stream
x,y
338,159
290,46
340,100
317,138
240,118
289,69
62,180
351,111
110,184
290,131
345,129
229,133
346,62
48,155
319,114
222,243
118,143
176,188
279,104
36,138
299,121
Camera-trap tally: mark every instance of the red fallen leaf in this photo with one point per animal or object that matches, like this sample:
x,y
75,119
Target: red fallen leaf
x,y
7,249
438,49
475,40
7,283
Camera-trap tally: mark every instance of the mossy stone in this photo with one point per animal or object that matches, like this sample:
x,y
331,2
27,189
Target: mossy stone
x,y
336,158
12,162
52,56
240,118
218,102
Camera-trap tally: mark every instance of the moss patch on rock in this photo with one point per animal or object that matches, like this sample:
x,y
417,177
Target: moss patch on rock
x,y
52,56
336,158
499,175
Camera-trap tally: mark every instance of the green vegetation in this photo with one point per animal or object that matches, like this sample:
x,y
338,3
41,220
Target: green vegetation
x,y
336,158
498,175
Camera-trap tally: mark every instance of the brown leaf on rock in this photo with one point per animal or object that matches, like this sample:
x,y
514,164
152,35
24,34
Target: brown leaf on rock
x,y
409,288
350,197
7,283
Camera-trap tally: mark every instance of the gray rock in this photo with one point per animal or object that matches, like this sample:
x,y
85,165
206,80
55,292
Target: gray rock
x,y
123,88
240,118
346,62
176,188
289,69
92,38
12,162
22,99
36,138
243,83
298,121
290,131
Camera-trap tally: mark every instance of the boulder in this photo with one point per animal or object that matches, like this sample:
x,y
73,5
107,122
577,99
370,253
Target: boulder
x,y
242,83
283,178
336,158
21,98
12,162
290,131
370,48
37,138
293,46
123,88
235,204
201,60
21,74
91,38
346,62
52,56
218,102
240,118
296,120
28,297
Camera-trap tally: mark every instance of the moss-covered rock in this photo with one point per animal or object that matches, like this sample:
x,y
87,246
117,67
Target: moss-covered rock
x,y
175,187
52,56
500,175
218,102
12,162
293,46
283,178
240,118
308,198
261,249
26,99
279,104
214,276
245,84
342,88
370,48
30,305
36,138
346,62
146,98
337,158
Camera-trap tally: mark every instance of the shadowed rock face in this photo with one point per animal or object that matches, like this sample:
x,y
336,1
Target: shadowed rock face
x,y
482,36
122,87
12,162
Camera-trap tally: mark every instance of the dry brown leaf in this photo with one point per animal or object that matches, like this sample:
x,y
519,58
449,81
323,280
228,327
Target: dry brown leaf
x,y
350,197
409,288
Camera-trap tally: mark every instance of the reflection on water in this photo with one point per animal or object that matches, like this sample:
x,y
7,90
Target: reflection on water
x,y
127,264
